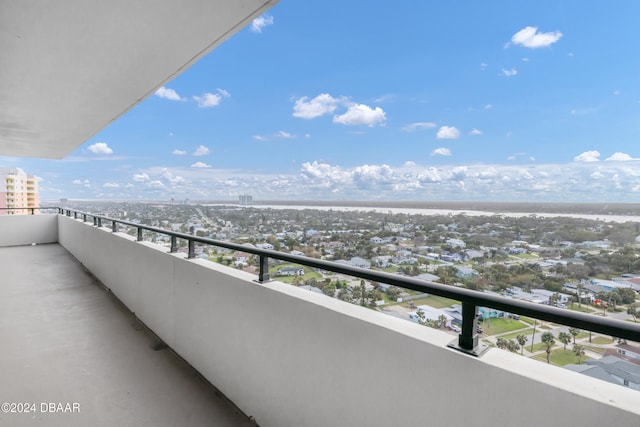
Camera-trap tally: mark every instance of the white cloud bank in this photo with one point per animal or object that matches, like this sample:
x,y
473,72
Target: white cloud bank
x,y
322,104
578,181
588,156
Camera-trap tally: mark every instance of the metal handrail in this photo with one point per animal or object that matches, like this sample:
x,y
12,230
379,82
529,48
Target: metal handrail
x,y
467,340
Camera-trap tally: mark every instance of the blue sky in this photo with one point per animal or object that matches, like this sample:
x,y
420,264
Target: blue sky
x,y
419,100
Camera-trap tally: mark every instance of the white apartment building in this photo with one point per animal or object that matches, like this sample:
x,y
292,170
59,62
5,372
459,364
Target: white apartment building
x,y
18,191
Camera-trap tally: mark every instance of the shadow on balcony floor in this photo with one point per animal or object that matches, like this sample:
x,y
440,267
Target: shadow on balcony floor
x,y
66,340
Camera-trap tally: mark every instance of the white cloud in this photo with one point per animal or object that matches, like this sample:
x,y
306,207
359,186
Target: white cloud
x,y
278,135
200,165
111,185
531,38
509,73
448,132
318,106
417,126
488,106
285,135
100,148
262,21
525,59
475,131
620,157
179,152
569,182
361,114
211,99
167,93
588,156
201,151
86,183
442,151
483,66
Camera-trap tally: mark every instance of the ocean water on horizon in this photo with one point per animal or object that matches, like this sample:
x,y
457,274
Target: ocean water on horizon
x,y
426,211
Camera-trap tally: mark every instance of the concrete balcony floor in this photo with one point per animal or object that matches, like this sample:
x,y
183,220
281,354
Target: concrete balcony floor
x,y
66,339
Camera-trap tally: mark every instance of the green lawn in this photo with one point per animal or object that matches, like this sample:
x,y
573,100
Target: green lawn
x,y
526,320
583,309
598,350
560,357
513,335
500,326
308,273
601,340
537,347
435,301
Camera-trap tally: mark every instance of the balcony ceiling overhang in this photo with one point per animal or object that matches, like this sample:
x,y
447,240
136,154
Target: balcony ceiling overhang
x,y
68,68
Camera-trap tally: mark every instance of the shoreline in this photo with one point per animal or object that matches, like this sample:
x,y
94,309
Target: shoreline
x,y
432,211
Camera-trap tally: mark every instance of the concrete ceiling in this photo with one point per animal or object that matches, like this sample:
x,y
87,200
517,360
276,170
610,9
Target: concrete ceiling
x,y
68,68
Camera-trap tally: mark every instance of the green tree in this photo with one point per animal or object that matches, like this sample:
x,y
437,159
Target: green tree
x,y
329,289
393,292
344,295
501,343
579,351
565,338
548,340
574,333
632,310
513,346
627,295
522,340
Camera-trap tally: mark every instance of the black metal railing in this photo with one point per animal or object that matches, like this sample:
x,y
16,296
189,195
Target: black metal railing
x,y
468,339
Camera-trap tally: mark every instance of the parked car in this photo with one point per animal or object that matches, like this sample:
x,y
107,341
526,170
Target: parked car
x,y
455,328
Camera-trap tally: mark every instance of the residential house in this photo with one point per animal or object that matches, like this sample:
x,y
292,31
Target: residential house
x,y
611,369
430,313
290,271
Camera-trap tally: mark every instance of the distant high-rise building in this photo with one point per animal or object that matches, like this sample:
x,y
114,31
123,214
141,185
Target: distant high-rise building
x,y
245,200
18,191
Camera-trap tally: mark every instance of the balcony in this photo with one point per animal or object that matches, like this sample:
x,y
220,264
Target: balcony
x,y
283,355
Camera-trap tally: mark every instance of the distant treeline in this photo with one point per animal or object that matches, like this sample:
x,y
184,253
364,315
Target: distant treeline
x,y
564,208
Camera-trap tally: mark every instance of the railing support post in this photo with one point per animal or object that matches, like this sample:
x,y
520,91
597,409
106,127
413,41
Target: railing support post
x,y
84,217
99,222
468,341
263,276
139,234
75,215
95,221
174,244
114,226
192,249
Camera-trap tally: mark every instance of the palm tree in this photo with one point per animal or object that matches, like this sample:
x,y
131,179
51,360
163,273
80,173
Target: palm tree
x,y
579,351
549,340
565,338
633,311
580,289
522,340
574,332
